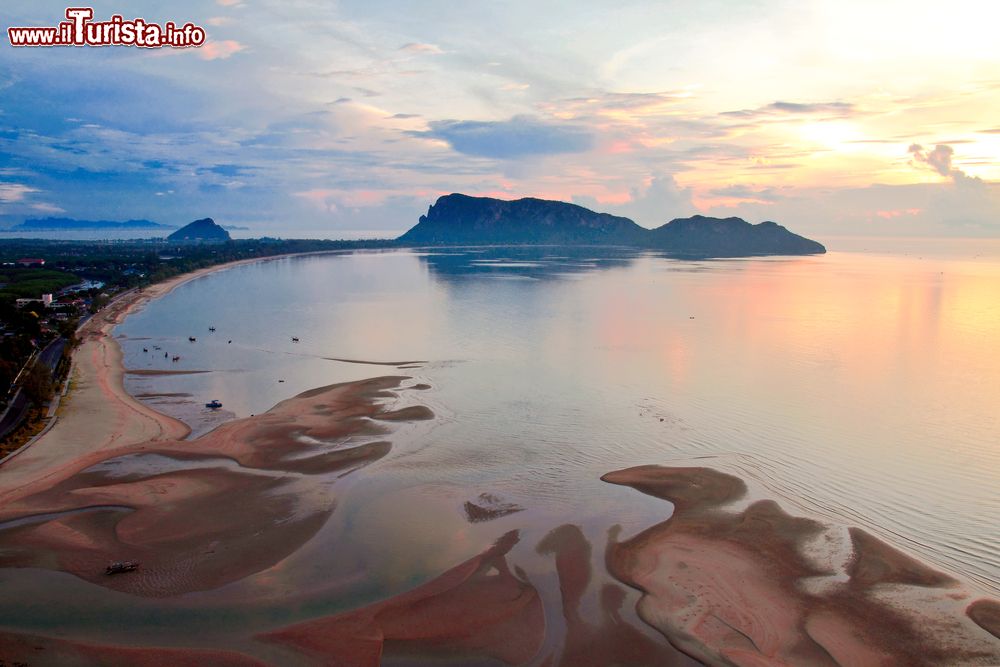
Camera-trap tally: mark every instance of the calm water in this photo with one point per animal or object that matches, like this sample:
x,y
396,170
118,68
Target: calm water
x,y
859,386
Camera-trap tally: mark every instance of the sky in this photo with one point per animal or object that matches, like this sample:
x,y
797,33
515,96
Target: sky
x,y
848,118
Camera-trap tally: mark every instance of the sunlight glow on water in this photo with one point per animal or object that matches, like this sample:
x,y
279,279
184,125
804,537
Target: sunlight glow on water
x,y
859,386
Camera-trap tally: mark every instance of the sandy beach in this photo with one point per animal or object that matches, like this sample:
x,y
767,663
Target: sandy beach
x,y
98,414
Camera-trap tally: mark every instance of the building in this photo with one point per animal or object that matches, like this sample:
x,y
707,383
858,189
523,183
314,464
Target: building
x,y
46,301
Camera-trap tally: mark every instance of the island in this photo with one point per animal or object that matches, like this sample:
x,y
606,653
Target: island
x,y
459,219
729,237
200,230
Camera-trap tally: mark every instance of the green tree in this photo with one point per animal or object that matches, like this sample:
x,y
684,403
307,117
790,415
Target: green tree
x,y
38,383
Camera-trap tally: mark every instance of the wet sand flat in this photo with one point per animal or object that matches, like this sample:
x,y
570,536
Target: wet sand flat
x,y
730,587
197,527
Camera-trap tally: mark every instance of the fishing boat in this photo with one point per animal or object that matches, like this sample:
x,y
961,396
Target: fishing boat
x,y
121,566
192,338
214,404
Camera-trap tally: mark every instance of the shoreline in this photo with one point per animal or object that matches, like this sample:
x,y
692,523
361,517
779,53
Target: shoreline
x,y
97,413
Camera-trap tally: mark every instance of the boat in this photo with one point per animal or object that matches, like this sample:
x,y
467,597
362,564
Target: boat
x,y
214,404
294,339
192,338
211,328
120,566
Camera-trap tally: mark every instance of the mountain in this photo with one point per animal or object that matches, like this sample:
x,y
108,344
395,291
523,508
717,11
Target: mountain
x,y
458,219
62,224
200,230
729,237
463,220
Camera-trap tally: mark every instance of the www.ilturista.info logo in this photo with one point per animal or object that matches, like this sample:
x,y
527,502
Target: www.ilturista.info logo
x,y
81,30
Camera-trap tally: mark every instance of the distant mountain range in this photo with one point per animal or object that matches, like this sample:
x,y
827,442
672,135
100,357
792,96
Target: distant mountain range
x,y
62,224
459,219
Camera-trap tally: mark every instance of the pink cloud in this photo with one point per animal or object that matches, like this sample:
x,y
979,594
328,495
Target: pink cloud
x,y
619,147
12,192
220,50
897,213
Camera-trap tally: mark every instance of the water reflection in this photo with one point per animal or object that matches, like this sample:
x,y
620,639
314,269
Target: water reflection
x,y
863,389
523,262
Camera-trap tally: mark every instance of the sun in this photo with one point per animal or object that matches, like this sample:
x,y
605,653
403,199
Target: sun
x,y
836,135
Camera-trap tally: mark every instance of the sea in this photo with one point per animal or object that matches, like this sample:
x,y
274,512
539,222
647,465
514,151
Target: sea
x,y
861,386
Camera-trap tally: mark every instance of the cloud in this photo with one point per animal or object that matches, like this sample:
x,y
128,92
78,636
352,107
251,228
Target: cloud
x,y
14,192
824,107
939,160
779,108
334,199
521,136
606,105
44,207
919,209
220,50
748,193
651,204
417,47
663,199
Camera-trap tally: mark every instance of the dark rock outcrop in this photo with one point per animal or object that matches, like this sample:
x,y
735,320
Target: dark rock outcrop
x,y
200,230
463,220
729,237
458,219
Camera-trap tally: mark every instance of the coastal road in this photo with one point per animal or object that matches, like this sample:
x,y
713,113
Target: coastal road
x,y
52,353
18,407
